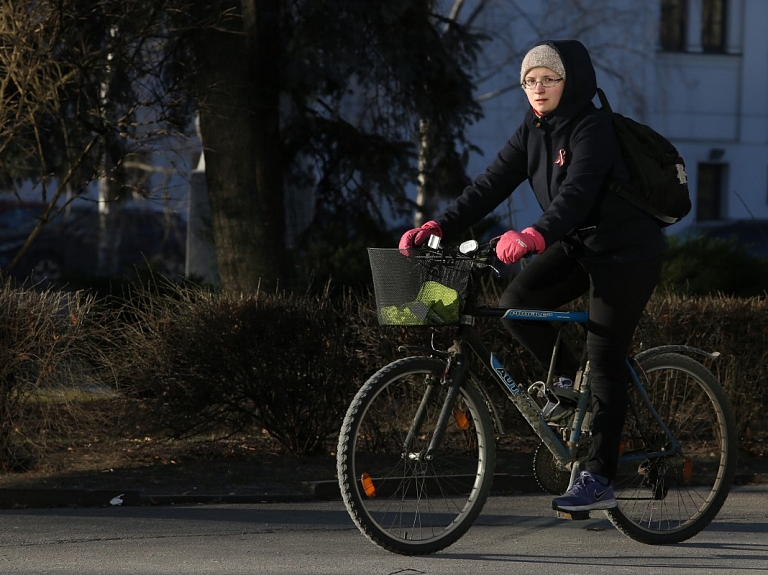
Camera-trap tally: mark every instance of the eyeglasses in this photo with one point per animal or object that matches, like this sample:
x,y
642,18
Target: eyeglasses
x,y
530,83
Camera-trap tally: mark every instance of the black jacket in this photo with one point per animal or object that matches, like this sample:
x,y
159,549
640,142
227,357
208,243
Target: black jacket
x,y
578,208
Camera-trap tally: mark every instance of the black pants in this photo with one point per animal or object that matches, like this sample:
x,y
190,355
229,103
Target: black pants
x,y
618,293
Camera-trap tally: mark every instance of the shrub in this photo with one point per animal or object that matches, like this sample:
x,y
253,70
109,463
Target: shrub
x,y
709,266
215,363
51,348
737,328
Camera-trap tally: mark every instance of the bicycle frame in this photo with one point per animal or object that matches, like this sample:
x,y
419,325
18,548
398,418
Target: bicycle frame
x,y
564,452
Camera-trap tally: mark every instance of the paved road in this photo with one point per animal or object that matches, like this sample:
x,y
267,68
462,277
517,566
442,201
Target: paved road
x,y
514,535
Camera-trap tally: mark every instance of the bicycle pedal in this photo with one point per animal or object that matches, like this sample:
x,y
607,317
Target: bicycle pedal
x,y
572,515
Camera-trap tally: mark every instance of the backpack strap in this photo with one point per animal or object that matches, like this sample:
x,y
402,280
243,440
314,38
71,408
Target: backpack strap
x,y
619,189
604,105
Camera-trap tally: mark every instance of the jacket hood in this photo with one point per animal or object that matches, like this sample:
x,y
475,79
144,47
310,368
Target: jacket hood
x,y
580,80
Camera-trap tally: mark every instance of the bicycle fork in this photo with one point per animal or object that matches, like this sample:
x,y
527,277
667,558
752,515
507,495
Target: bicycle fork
x,y
453,377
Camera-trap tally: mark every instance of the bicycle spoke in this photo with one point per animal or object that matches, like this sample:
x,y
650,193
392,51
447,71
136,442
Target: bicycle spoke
x,y
665,495
422,501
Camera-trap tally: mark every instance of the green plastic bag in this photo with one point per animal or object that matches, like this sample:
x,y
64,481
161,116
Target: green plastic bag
x,y
435,304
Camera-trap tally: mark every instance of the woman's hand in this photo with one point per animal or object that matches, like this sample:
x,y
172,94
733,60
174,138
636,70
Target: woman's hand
x,y
514,246
415,238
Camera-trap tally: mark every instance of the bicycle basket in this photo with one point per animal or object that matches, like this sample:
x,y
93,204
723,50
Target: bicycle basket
x,y
415,287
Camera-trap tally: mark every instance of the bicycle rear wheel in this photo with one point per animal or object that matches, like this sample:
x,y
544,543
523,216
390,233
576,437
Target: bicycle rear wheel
x,y
670,498
400,498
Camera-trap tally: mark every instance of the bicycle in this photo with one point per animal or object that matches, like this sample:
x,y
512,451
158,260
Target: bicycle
x,y
417,447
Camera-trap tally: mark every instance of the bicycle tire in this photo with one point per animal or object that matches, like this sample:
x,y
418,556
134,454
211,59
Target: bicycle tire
x,y
414,506
669,499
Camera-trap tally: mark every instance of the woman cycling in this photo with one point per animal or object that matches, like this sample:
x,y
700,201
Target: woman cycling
x,y
588,240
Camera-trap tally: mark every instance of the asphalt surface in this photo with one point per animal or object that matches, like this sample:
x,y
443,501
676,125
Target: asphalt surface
x,y
514,535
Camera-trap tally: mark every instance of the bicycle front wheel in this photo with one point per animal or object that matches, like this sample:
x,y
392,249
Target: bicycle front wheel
x,y
402,498
667,494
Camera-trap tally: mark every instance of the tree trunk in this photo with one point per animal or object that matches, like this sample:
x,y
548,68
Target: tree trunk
x,y
237,75
426,199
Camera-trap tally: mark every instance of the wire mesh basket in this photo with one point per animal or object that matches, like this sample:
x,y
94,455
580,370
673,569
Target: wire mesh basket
x,y
415,287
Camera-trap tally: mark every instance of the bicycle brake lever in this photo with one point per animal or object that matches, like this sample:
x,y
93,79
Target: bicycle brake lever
x,y
496,273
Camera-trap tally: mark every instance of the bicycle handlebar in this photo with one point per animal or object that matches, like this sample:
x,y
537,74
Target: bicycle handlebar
x,y
482,255
471,249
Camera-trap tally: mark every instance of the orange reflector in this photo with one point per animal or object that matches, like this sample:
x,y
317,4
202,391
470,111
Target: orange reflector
x,y
461,418
622,447
368,486
687,470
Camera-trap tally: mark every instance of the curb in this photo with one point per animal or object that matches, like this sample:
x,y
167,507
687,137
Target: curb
x,y
49,498
503,484
311,491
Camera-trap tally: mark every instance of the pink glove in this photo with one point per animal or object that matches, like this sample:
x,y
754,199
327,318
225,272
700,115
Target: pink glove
x,y
419,236
514,246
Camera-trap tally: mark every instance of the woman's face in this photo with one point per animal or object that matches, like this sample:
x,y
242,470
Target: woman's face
x,y
543,100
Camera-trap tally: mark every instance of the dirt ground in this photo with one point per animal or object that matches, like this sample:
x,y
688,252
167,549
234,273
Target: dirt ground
x,y
240,467
236,467
243,466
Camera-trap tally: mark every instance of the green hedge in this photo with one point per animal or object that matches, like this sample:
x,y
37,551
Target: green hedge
x,y
703,266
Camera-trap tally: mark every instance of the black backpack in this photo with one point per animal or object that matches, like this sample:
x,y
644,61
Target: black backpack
x,y
659,182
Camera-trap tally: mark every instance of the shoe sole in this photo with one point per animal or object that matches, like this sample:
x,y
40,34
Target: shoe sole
x,y
598,505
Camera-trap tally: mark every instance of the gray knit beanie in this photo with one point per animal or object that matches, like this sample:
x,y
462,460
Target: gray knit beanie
x,y
542,55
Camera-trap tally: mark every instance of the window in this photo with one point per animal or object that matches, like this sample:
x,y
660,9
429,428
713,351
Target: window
x,y
709,192
672,25
693,25
713,26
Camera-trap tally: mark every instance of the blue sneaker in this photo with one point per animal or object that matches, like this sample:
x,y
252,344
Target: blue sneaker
x,y
586,494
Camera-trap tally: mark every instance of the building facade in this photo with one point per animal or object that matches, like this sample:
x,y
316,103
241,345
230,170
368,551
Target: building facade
x,y
695,70
711,77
